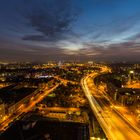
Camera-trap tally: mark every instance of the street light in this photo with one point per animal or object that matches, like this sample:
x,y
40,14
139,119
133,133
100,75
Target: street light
x,y
131,76
131,72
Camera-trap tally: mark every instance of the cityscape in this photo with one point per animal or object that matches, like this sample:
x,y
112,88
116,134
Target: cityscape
x,y
69,70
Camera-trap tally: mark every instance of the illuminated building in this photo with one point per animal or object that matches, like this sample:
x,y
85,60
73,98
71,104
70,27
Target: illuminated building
x,y
2,109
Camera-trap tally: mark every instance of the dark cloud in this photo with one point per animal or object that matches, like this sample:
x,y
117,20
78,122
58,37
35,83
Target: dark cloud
x,y
34,37
37,30
127,51
20,52
51,18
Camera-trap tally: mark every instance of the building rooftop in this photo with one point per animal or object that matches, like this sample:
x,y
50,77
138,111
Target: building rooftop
x,y
11,94
129,91
37,127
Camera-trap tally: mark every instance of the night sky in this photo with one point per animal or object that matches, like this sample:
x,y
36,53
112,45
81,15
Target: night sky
x,y
42,30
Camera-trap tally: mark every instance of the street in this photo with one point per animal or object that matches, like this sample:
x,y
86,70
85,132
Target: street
x,y
25,108
113,124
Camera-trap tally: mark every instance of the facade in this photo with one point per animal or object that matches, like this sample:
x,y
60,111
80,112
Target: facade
x,y
128,96
11,109
2,109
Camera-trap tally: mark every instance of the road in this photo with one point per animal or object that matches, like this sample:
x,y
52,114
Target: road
x,y
26,108
115,126
65,81
60,109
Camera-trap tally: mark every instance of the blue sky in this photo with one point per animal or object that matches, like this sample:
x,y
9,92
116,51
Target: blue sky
x,y
41,30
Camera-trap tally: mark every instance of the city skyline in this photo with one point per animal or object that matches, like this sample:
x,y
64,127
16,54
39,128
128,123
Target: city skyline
x,y
103,30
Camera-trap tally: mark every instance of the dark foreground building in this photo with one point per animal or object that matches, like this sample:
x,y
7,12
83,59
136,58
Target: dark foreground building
x,y
40,128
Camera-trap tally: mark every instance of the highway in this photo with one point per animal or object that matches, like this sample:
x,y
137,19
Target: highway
x,y
26,108
115,126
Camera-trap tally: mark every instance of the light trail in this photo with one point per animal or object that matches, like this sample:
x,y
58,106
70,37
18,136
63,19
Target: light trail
x,y
115,126
40,96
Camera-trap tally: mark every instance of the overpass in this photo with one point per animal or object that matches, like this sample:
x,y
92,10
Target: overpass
x,y
115,126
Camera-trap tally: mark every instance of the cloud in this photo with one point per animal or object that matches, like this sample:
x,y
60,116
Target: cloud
x,y
48,31
121,27
127,51
51,18
134,38
34,37
29,53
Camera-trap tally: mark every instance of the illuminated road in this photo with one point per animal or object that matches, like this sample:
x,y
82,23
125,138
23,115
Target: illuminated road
x,y
59,109
26,108
113,124
65,81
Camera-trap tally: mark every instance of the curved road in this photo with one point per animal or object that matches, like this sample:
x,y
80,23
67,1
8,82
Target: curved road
x,y
112,123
